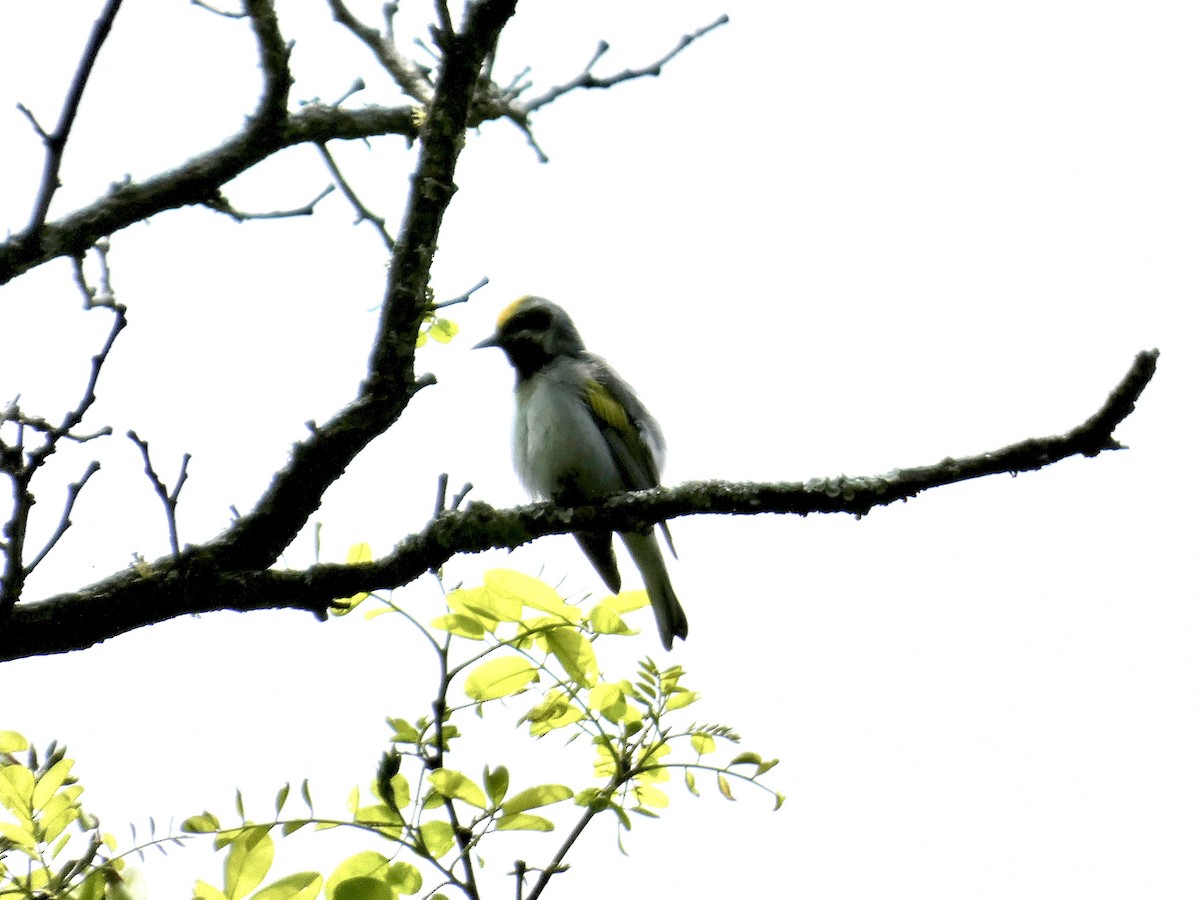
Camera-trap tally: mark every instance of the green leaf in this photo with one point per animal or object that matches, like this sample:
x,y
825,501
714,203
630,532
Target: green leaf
x,y
404,733
460,624
205,891
361,889
778,801
301,886
450,783
723,784
746,758
437,838
627,601
369,864
531,798
19,836
495,606
496,783
523,822
555,711
442,330
501,677
401,792
469,602
680,699
249,859
281,798
531,592
16,789
50,782
605,620
690,780
765,767
12,742
703,743
650,796
405,877
205,823
574,652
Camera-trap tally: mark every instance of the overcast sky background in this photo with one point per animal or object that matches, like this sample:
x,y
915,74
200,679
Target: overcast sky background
x,y
831,238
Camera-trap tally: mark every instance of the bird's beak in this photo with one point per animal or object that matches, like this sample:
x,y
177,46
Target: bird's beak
x,y
493,341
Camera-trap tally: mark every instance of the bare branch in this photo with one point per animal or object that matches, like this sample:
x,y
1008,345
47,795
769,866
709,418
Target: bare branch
x,y
219,12
56,141
586,80
413,79
461,298
221,204
170,499
197,581
273,53
364,214
64,523
194,182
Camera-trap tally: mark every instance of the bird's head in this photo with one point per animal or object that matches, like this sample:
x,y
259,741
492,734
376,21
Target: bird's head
x,y
532,332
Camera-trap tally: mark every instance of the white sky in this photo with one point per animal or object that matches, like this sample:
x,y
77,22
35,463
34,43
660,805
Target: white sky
x,y
830,238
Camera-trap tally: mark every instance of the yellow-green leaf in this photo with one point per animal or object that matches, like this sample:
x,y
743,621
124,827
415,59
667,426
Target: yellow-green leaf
x,y
400,790
680,699
650,797
489,604
205,891
50,782
367,864
19,836
627,601
438,838
523,822
778,801
575,654
496,783
249,859
450,783
442,330
555,711
301,886
461,624
12,742
501,677
405,877
16,788
361,889
403,732
703,743
690,780
723,785
205,823
529,591
606,620
532,798
358,553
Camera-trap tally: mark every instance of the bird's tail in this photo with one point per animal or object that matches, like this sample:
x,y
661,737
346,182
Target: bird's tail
x,y
672,623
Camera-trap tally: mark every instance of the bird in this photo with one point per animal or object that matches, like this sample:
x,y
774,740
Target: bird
x,y
581,434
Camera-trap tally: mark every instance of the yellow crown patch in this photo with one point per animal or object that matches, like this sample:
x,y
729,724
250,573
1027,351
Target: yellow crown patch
x,y
507,312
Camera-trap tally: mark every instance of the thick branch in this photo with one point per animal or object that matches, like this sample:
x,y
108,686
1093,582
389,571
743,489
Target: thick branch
x,y
195,583
196,181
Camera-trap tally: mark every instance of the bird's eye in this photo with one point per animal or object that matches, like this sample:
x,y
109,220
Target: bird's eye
x,y
530,320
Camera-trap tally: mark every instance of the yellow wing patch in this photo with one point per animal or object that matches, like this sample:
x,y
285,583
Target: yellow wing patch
x,y
605,405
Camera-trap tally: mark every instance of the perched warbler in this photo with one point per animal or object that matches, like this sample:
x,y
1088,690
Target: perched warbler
x,y
580,435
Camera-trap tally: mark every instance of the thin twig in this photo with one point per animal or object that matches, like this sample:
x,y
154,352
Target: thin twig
x,y
364,214
64,523
56,141
219,12
462,298
170,499
586,80
220,203
413,79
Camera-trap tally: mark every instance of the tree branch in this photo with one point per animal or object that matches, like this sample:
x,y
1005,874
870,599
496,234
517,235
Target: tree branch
x,y
195,582
56,141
